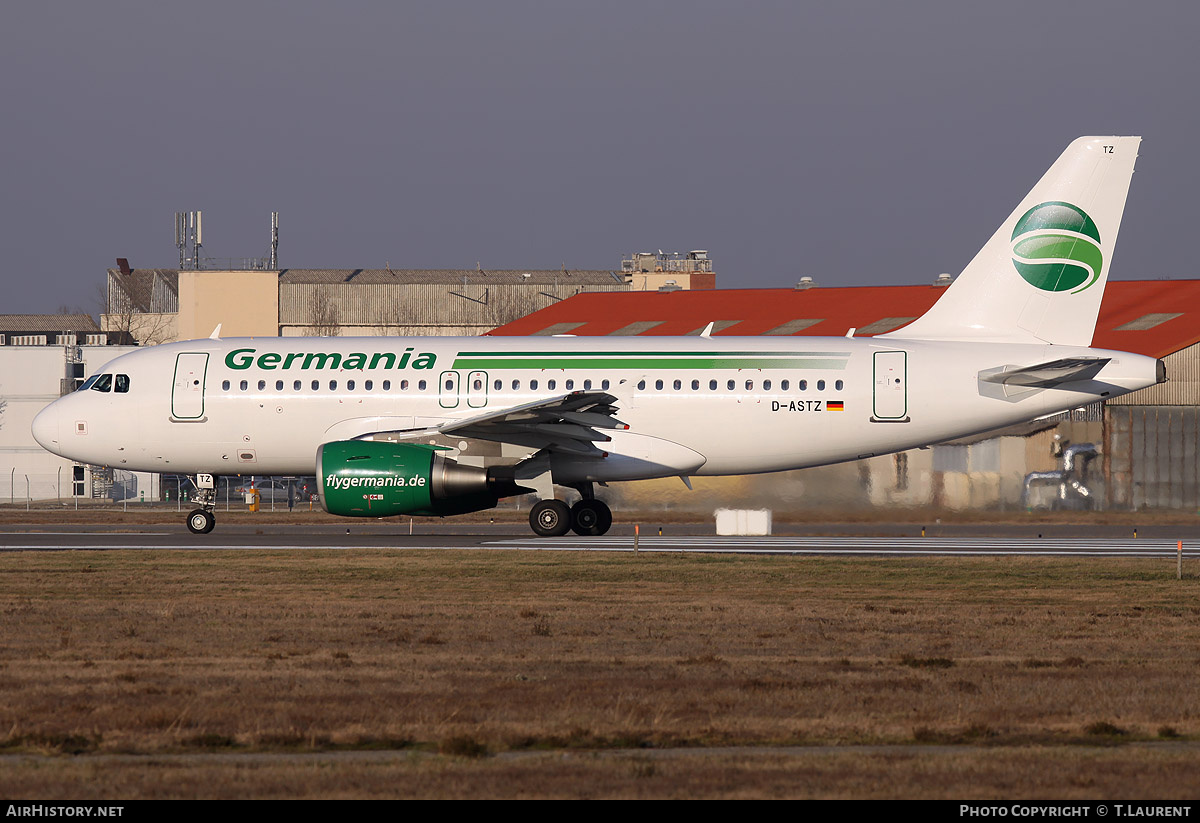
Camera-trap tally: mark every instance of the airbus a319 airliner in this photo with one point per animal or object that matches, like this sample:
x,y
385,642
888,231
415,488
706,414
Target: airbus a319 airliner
x,y
442,426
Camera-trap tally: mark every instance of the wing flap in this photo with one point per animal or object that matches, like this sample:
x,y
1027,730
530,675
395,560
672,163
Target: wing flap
x,y
564,423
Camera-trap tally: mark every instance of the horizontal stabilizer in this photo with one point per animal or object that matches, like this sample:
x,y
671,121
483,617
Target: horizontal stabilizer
x,y
1048,375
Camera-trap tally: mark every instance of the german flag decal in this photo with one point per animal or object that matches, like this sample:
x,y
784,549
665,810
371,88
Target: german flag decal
x,y
834,405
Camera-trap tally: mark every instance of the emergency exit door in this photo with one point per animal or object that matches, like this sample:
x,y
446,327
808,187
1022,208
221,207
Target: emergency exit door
x,y
891,387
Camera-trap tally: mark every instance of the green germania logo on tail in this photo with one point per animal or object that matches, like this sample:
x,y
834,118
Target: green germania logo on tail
x,y
1056,247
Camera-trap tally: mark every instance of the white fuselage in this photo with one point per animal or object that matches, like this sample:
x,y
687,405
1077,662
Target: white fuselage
x,y
694,405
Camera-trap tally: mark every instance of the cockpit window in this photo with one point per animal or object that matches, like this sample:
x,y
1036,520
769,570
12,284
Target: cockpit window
x,y
87,384
103,383
122,383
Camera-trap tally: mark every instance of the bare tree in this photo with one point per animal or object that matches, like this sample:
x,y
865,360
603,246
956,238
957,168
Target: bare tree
x,y
324,314
126,322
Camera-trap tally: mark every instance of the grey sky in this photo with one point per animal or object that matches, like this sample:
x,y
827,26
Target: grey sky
x,y
859,143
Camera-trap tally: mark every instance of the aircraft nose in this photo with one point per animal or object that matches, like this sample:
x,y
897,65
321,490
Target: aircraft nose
x,y
46,428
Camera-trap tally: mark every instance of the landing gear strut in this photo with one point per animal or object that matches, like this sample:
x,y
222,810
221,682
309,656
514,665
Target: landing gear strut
x,y
202,520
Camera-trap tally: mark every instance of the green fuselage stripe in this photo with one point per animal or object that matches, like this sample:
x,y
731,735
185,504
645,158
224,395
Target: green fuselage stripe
x,y
651,361
636,354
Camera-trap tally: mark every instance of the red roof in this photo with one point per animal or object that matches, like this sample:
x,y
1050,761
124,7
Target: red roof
x,y
1151,317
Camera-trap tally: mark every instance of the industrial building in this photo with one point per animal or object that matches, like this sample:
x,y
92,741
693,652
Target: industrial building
x,y
154,306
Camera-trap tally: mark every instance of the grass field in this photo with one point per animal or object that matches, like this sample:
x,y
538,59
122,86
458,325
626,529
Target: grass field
x,y
507,674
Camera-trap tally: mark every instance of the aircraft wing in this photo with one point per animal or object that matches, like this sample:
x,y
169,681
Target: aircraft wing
x,y
570,423
1050,374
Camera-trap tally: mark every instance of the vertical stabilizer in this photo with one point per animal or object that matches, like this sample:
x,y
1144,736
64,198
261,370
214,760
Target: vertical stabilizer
x,y
1041,277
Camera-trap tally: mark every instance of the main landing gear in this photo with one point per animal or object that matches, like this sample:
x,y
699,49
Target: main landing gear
x,y
589,517
202,520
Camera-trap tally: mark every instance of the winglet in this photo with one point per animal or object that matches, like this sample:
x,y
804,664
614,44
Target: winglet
x,y
216,335
708,329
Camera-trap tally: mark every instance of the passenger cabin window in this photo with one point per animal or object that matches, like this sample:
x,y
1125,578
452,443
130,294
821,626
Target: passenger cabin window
x,y
533,385
550,384
244,385
421,385
121,384
224,385
369,384
838,385
712,385
570,385
262,384
802,385
766,385
604,385
278,385
587,385
349,385
296,386
783,385
387,385
820,385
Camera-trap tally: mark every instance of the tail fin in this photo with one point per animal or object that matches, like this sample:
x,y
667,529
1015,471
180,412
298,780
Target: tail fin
x,y
1041,276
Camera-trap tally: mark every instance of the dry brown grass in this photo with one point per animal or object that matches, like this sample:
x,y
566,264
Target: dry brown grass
x,y
1026,772
1059,669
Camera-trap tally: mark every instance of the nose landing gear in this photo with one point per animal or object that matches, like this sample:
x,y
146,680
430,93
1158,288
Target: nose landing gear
x,y
202,520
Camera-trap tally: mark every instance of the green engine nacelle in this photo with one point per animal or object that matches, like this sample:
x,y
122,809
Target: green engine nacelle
x,y
363,478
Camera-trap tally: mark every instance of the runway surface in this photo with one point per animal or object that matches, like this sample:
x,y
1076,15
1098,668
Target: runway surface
x,y
885,540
